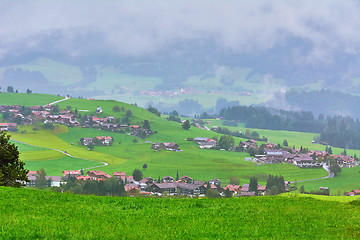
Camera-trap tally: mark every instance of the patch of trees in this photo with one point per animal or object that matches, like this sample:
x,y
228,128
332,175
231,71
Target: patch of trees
x,y
186,125
107,187
174,116
249,135
337,131
154,111
275,185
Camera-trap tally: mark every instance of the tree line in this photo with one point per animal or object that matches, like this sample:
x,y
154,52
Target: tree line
x,y
337,131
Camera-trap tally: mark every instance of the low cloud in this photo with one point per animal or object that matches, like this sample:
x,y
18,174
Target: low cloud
x,y
138,28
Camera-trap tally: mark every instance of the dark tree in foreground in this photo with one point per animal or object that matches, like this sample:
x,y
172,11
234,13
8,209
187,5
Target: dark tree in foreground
x,y
137,175
335,168
40,180
285,143
12,169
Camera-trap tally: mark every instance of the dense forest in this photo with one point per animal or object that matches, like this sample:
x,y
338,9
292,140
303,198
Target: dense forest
x,y
337,131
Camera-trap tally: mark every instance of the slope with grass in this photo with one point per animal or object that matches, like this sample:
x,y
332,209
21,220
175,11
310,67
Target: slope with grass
x,y
61,216
22,99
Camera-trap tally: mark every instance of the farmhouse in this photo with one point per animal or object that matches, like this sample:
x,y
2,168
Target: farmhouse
x,y
11,127
104,140
186,179
71,173
53,181
190,189
163,187
305,161
167,179
95,174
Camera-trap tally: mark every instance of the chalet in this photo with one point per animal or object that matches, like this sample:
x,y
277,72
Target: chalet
x,y
11,127
147,180
274,156
53,181
345,161
190,189
37,108
61,119
32,173
246,194
211,143
95,174
84,178
131,188
186,179
48,107
163,187
201,139
135,129
129,179
86,141
214,128
216,182
109,126
234,189
167,179
71,173
99,110
120,175
105,140
171,146
261,189
4,108
305,161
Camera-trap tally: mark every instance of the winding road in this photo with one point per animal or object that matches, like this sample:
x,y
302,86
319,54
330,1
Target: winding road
x,y
326,167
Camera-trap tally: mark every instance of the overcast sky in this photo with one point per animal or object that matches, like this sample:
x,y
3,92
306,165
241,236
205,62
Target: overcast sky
x,y
138,28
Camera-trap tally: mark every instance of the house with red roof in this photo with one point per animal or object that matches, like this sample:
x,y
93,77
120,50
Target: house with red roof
x,y
95,174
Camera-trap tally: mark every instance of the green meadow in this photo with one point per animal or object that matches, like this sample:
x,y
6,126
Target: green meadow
x,y
33,99
35,214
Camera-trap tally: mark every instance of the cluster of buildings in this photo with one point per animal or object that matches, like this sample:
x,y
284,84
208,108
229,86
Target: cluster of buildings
x,y
297,157
149,186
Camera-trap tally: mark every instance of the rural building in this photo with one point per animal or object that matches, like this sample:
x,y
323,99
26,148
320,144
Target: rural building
x,y
71,173
11,127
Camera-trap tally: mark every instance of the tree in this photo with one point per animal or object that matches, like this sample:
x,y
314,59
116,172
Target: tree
x,y
285,143
335,168
145,166
146,125
228,194
12,170
177,175
116,109
128,113
226,142
234,180
10,89
40,180
154,111
55,109
91,146
137,175
302,189
253,185
186,125
28,91
212,193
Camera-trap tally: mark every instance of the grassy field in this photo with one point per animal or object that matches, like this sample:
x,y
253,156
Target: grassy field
x,y
347,180
33,99
33,214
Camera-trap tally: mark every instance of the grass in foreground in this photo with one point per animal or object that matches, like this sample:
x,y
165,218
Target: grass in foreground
x,y
32,214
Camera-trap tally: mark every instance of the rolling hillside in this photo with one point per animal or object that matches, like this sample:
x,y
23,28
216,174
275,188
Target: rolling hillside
x,y
125,155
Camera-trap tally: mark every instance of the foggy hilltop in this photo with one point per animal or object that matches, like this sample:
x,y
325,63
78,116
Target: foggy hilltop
x,y
190,56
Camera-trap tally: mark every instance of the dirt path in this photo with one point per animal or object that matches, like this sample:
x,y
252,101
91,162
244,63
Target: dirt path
x,y
67,154
66,98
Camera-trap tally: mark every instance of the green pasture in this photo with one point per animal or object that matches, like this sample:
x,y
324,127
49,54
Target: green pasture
x,y
347,180
199,163
24,99
28,214
54,167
